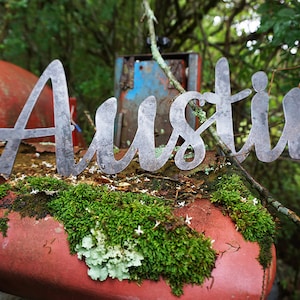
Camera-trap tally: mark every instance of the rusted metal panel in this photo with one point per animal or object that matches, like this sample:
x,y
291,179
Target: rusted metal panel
x,y
137,77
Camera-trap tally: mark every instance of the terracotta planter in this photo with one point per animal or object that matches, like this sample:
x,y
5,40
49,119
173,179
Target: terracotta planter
x,y
35,263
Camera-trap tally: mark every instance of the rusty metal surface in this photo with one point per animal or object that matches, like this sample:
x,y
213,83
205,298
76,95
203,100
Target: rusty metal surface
x,y
127,76
147,78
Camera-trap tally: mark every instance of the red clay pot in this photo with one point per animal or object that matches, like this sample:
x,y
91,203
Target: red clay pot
x,y
35,263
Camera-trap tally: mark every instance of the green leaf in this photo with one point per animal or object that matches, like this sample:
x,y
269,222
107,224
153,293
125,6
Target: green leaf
x,y
288,13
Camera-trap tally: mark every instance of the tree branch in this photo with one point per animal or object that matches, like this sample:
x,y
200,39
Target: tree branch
x,y
261,190
154,49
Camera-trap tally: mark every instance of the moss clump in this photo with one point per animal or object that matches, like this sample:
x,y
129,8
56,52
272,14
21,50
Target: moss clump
x,y
33,194
32,205
95,218
4,226
251,218
47,185
4,188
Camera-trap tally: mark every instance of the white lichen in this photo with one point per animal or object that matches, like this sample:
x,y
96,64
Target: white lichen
x,y
105,260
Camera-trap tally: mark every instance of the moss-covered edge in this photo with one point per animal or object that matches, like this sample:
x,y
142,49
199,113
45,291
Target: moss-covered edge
x,y
251,218
4,225
4,188
127,220
226,189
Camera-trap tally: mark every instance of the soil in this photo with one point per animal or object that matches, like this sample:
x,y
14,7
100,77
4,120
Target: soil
x,y
169,182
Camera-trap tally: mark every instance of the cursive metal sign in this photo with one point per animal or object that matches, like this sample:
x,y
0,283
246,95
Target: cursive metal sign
x,y
144,140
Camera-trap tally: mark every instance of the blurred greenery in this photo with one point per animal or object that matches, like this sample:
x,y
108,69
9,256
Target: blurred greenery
x,y
88,35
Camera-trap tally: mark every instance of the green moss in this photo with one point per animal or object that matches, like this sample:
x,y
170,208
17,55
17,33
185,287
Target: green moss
x,y
32,205
251,218
48,185
136,236
33,194
4,188
167,246
121,235
4,226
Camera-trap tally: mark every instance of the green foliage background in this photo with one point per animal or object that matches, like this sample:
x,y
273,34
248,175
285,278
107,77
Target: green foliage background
x,y
88,35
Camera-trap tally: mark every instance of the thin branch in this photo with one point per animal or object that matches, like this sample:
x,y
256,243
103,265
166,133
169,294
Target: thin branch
x,y
238,8
261,190
155,52
278,70
268,197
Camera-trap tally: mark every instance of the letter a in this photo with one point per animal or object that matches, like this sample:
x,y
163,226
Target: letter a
x,y
62,121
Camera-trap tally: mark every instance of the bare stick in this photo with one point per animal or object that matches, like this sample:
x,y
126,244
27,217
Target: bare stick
x,y
88,116
261,190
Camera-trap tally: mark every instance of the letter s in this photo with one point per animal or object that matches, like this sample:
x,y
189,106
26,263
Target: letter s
x,y
182,128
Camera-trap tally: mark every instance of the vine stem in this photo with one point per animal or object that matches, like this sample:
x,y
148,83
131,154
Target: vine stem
x,y
256,185
279,70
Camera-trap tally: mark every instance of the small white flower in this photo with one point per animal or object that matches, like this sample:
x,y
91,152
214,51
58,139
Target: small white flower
x,y
153,193
255,201
51,193
73,178
243,199
181,204
111,187
188,220
46,164
22,177
156,224
139,231
146,179
33,192
92,169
